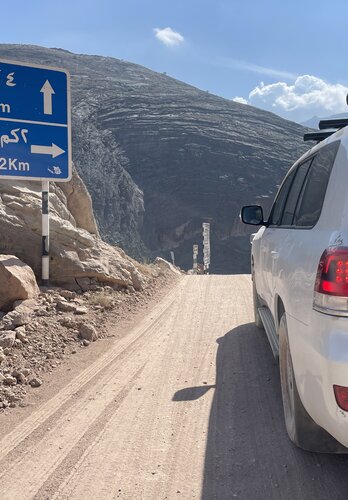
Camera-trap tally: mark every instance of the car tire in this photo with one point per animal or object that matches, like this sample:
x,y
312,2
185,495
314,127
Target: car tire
x,y
301,428
256,304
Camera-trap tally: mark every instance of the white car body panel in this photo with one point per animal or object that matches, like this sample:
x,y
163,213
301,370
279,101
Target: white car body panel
x,y
285,262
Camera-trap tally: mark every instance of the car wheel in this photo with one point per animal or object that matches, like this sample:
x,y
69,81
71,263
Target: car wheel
x,y
256,304
301,428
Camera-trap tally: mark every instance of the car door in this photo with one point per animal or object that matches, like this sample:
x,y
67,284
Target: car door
x,y
267,241
284,249
275,241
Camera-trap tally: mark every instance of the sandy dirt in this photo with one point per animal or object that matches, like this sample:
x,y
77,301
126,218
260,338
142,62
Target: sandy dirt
x,y
186,404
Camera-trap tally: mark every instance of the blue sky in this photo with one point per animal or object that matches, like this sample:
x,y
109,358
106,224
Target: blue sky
x,y
287,57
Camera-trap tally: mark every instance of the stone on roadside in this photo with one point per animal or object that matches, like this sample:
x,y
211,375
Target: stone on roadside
x,y
137,280
88,332
65,306
7,339
67,294
20,334
81,310
16,318
21,378
10,380
11,397
164,265
17,281
35,382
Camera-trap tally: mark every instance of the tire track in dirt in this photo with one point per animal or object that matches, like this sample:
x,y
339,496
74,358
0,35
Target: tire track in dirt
x,y
52,447
187,406
162,440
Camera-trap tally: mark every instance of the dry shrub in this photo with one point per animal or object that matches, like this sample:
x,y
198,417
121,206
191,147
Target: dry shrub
x,y
103,299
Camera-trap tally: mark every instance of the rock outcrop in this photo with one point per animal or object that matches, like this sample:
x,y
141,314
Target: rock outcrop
x,y
17,281
79,203
79,259
118,202
144,139
165,266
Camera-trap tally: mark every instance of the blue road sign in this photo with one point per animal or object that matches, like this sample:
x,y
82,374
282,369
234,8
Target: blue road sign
x,y
35,123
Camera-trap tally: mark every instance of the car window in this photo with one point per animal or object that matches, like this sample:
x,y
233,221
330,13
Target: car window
x,y
313,194
277,209
292,198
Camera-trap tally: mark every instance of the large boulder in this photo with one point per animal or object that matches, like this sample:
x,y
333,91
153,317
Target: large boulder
x,y
78,256
17,281
164,265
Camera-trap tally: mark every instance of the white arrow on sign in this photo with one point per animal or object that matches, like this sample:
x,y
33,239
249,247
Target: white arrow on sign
x,y
47,91
53,150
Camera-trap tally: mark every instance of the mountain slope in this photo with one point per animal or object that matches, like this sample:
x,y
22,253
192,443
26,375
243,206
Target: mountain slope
x,y
193,155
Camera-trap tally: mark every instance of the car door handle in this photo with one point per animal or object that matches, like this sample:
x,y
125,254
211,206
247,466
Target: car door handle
x,y
274,254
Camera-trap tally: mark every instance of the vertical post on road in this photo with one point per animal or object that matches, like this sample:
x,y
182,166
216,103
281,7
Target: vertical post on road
x,y
195,255
206,246
45,276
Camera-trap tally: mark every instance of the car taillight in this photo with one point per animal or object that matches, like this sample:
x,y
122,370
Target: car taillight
x,y
331,284
341,395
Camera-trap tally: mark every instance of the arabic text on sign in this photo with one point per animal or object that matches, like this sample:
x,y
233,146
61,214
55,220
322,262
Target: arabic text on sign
x,y
6,139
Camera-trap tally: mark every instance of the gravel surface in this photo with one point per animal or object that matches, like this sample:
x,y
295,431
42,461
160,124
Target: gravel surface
x,y
40,334
184,404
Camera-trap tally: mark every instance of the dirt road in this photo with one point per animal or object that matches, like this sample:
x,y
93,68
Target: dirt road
x,y
186,405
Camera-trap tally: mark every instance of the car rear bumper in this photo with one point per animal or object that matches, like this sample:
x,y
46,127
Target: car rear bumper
x,y
320,359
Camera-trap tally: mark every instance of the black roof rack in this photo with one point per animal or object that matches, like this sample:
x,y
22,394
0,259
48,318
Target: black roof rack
x,y
337,123
318,136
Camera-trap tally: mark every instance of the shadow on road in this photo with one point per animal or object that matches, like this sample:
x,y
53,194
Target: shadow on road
x,y
192,393
248,454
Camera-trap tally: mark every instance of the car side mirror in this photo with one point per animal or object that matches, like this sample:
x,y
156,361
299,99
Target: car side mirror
x,y
252,214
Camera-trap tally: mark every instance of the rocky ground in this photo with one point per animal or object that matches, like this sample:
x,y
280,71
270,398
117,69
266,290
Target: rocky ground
x,y
39,334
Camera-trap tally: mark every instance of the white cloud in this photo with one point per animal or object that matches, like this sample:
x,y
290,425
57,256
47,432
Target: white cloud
x,y
241,100
306,97
254,68
169,37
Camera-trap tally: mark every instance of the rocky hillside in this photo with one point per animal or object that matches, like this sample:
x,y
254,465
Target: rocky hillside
x,y
159,157
79,259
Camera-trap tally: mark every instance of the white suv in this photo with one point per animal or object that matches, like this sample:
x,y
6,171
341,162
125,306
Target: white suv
x,y
299,263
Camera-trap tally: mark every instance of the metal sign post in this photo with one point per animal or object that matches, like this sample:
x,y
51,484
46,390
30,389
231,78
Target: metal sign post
x,y
35,131
206,246
45,234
